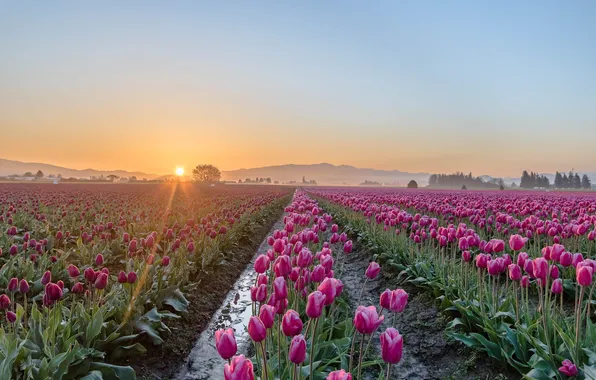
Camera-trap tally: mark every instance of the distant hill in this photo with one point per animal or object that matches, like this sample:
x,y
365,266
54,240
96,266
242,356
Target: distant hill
x,y
328,174
9,167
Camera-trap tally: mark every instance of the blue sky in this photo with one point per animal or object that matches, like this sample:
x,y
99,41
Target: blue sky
x,y
488,87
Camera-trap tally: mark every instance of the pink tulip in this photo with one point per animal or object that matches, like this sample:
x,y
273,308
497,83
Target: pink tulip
x,y
280,288
524,282
373,270
568,368
348,246
291,324
540,267
399,300
385,299
366,319
557,287
225,342
267,315
314,304
584,275
261,264
514,272
566,259
339,375
466,256
391,346
240,368
297,353
516,242
256,329
329,288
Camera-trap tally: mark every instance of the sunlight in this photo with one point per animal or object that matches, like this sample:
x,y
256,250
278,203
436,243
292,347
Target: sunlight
x,y
179,171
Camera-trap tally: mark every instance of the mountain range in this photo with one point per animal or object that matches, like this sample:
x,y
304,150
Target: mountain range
x,y
323,173
10,167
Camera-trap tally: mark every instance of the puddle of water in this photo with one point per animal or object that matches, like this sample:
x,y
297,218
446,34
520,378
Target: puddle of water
x,y
204,362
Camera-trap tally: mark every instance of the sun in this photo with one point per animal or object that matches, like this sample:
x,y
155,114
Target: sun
x,y
179,171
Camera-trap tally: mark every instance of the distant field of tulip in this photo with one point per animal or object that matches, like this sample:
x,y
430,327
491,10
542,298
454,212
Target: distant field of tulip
x,y
90,273
513,270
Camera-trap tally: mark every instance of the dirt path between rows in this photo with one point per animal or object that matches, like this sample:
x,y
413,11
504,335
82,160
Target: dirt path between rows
x,y
204,362
164,362
428,352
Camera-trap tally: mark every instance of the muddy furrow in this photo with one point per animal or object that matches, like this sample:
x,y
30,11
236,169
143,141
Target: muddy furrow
x,y
204,362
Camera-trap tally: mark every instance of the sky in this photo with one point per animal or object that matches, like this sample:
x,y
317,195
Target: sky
x,y
491,87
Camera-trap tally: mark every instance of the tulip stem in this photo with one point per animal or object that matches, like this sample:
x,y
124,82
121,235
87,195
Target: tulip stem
x,y
360,359
312,347
388,371
362,291
279,346
265,372
352,351
578,318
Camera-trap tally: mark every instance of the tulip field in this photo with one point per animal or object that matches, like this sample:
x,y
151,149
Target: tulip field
x,y
513,270
94,278
94,274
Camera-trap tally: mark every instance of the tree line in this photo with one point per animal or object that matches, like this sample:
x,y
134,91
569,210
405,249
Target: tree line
x,y
462,180
562,181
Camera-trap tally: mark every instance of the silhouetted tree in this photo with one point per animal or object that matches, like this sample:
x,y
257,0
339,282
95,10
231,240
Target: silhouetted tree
x,y
586,183
206,173
39,174
558,180
412,185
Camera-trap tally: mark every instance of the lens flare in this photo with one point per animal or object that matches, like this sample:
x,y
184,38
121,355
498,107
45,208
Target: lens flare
x,y
179,171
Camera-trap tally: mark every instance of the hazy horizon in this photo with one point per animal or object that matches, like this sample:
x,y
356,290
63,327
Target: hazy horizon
x,y
428,87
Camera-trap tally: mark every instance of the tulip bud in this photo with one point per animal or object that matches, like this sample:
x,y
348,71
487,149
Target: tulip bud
x,y
132,277
4,302
165,261
13,284
46,278
23,286
99,260
77,288
122,277
73,271
102,281
11,317
225,342
557,287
